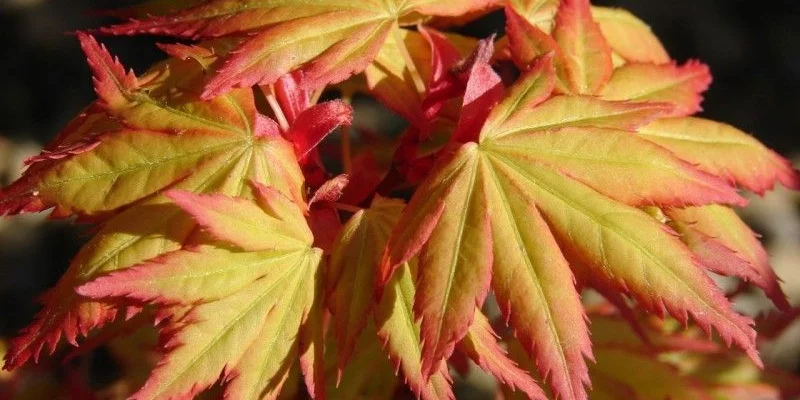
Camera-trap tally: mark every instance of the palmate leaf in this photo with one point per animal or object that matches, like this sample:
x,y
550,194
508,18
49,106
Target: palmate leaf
x,y
526,161
168,139
328,40
252,299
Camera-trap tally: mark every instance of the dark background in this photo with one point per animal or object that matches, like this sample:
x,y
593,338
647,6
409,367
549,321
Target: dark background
x,y
752,47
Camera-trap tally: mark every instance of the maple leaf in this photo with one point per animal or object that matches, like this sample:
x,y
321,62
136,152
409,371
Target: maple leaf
x,y
250,300
677,85
168,139
524,164
328,40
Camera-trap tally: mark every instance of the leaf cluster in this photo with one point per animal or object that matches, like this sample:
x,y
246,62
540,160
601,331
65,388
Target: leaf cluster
x,y
559,159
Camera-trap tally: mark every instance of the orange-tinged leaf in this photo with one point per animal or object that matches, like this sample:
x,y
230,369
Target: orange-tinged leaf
x,y
173,278
481,346
579,111
128,165
328,40
725,227
167,139
407,239
535,290
681,86
240,222
629,37
139,168
353,265
538,159
620,165
723,151
245,332
167,100
455,263
335,45
21,196
129,238
631,250
586,52
400,334
527,43
246,337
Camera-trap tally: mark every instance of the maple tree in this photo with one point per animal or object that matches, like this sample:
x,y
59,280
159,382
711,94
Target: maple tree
x,y
261,257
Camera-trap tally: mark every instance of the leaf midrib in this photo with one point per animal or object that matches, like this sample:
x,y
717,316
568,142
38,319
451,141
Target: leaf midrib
x,y
532,273
512,164
145,165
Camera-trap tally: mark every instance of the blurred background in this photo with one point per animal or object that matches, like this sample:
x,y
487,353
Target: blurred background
x,y
753,49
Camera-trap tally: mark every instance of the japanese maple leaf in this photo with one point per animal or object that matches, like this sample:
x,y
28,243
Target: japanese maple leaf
x,y
157,135
644,75
544,180
328,40
252,291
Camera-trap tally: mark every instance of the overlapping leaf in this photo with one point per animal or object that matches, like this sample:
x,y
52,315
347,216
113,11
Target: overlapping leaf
x,y
572,164
255,289
329,40
168,139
